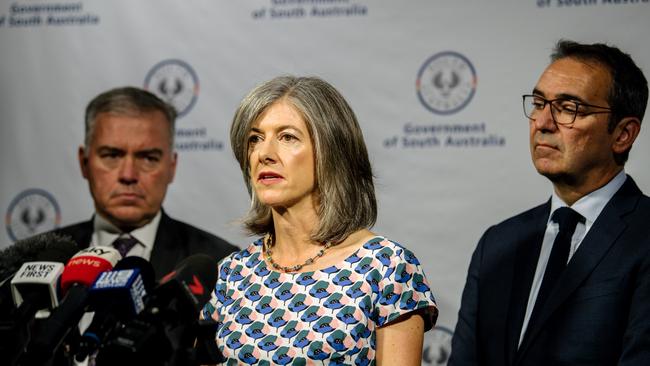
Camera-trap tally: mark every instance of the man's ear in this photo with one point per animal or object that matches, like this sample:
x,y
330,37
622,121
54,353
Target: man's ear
x,y
625,133
83,161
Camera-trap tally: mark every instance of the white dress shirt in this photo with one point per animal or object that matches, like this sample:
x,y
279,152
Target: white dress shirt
x,y
105,233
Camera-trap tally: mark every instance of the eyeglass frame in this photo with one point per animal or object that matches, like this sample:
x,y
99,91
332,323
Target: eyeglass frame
x,y
575,114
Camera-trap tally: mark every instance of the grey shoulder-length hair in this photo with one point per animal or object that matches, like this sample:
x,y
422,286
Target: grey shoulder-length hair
x,y
343,174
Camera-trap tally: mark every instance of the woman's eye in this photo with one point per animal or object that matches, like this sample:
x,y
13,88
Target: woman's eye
x,y
253,139
287,137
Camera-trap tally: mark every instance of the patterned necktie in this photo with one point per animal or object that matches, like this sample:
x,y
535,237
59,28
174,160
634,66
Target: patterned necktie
x,y
124,244
567,219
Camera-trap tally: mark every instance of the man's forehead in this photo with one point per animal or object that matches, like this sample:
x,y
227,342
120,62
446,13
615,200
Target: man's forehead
x,y
131,132
570,76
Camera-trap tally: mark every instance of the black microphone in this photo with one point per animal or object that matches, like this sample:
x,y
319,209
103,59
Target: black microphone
x,y
45,247
115,297
33,287
165,331
198,273
80,272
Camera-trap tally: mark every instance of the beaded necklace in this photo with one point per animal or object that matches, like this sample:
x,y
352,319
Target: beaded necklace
x,y
268,245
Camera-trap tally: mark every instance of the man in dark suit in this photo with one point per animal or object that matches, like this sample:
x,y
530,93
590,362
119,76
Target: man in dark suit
x,y
129,161
568,282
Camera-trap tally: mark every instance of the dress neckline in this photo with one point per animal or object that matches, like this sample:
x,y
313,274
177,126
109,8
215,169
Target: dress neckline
x,y
259,244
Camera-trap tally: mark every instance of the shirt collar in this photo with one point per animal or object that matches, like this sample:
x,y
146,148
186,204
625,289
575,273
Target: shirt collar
x,y
107,232
592,204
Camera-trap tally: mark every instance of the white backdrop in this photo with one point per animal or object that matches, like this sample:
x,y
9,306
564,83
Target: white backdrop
x,y
449,161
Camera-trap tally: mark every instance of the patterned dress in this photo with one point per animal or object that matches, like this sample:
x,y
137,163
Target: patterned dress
x,y
327,316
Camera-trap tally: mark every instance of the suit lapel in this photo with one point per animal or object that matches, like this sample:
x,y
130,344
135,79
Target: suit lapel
x,y
167,250
528,248
602,235
81,233
86,234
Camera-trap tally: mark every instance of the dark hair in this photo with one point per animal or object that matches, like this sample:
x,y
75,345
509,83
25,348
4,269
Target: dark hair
x,y
343,173
126,101
628,94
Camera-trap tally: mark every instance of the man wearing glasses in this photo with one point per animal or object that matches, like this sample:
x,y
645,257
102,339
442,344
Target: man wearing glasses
x,y
568,282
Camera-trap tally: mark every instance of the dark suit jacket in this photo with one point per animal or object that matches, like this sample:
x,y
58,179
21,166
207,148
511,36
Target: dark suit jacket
x,y
599,314
175,241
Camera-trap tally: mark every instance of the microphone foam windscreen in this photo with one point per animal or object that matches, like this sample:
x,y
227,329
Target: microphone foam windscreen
x,y
59,249
44,247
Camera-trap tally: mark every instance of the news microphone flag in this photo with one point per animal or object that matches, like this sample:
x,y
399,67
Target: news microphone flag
x,y
84,267
38,277
121,283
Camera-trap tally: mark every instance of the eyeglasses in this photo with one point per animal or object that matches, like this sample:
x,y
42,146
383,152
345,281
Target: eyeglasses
x,y
563,111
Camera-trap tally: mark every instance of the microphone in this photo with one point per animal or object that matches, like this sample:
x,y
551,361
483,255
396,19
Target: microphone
x,y
165,331
78,274
116,296
198,273
45,247
33,287
85,266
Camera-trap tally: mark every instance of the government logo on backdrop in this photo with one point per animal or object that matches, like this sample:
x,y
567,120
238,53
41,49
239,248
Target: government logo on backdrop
x,y
446,82
32,212
175,82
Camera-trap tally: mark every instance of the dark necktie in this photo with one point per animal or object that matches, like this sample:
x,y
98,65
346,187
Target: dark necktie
x,y
124,244
567,219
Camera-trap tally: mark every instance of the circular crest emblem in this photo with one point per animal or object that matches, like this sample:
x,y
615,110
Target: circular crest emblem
x,y
32,212
175,82
446,82
437,346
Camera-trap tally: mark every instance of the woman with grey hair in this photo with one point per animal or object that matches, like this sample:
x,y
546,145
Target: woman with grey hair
x,y
318,287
